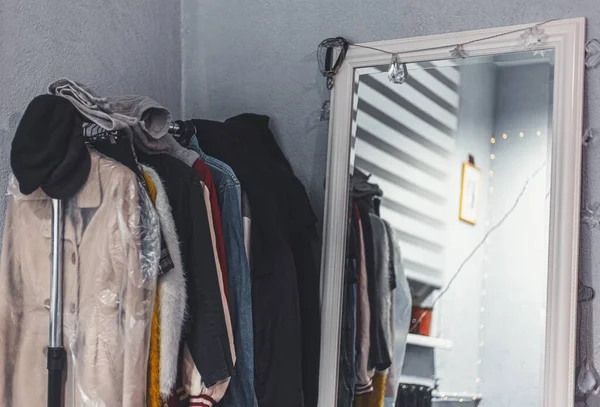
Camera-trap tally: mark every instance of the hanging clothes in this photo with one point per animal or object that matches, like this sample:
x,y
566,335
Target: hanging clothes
x,y
206,331
171,294
364,375
204,174
48,151
384,285
401,312
285,286
108,291
247,218
376,397
229,194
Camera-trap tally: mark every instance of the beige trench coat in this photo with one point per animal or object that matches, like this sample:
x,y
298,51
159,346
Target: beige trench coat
x,y
107,300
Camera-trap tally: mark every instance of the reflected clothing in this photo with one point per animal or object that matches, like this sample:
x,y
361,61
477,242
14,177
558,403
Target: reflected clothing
x,y
376,397
241,387
381,305
401,312
205,332
108,291
364,375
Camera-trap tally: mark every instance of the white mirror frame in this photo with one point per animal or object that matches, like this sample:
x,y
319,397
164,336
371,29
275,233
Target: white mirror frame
x,y
567,39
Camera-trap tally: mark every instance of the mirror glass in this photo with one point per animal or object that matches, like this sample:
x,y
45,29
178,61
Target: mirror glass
x,y
445,290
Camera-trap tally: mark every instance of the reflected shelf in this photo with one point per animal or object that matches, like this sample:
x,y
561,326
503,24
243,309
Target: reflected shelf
x,y
428,342
420,381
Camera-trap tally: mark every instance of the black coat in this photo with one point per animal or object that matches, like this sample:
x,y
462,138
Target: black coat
x,y
285,278
205,331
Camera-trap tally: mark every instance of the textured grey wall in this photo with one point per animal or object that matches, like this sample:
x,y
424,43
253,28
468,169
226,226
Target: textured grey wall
x,y
459,310
511,369
115,47
260,56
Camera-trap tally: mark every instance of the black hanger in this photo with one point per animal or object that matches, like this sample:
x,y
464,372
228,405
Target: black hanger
x,y
93,133
183,132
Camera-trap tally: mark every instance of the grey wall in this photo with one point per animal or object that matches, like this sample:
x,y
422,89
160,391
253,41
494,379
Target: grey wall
x,y
260,56
459,310
517,253
115,47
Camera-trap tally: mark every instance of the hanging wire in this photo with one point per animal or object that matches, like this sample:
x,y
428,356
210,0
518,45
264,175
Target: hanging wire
x,y
481,243
458,46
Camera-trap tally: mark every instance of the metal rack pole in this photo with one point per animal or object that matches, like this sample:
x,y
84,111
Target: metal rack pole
x,y
56,352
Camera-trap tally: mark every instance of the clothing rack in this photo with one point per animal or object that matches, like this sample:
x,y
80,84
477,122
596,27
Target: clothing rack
x,y
56,357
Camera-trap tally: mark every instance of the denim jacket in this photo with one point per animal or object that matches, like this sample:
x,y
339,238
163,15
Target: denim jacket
x,y
241,388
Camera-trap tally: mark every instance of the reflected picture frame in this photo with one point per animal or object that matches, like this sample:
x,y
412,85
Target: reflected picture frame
x,y
567,39
470,193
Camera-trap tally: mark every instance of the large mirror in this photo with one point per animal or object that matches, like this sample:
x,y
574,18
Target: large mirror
x,y
449,286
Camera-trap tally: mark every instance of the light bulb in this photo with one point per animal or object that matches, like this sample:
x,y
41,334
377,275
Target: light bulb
x,y
492,140
539,133
492,156
479,362
474,398
521,134
505,136
460,400
491,173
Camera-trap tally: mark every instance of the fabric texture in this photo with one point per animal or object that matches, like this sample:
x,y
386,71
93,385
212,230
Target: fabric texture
x,y
364,375
48,149
108,302
142,116
285,278
401,313
203,172
376,397
205,330
381,314
220,275
247,218
141,113
241,388
153,399
192,380
171,290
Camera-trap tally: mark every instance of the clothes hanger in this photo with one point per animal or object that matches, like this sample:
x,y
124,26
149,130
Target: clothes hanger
x,y
183,131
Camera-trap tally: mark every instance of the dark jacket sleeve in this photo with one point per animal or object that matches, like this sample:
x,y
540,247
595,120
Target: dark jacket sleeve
x,y
205,332
207,335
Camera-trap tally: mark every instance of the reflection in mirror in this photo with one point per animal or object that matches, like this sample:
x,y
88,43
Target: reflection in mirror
x,y
445,294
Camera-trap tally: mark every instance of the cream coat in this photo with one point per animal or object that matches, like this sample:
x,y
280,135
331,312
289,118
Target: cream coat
x,y
107,302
